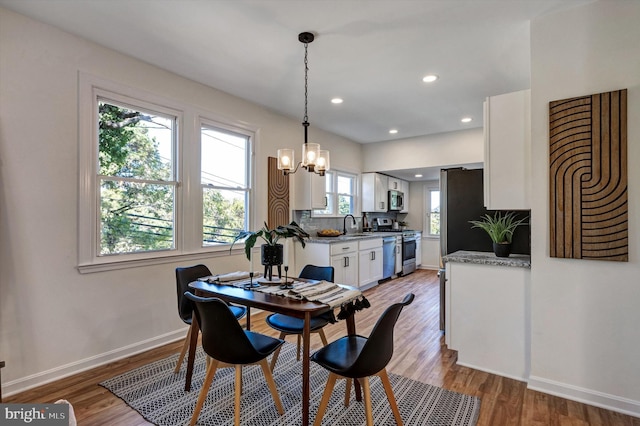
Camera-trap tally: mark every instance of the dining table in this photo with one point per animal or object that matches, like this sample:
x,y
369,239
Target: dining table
x,y
252,298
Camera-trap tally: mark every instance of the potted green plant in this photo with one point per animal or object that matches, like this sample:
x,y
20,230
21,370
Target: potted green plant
x,y
500,228
271,252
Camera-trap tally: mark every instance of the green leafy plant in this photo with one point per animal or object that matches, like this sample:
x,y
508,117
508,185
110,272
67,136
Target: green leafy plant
x,y
270,236
499,227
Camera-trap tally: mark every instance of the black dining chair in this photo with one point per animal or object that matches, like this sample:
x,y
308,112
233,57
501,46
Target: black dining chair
x,y
357,357
228,345
184,276
287,325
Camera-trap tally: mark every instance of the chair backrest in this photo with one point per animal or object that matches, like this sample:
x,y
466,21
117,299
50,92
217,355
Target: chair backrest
x,y
222,335
378,349
183,277
319,273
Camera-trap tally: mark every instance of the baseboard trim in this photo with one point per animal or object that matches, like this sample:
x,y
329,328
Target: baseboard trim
x,y
586,396
487,370
38,379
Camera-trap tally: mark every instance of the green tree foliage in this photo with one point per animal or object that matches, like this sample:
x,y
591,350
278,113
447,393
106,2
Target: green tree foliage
x,y
134,216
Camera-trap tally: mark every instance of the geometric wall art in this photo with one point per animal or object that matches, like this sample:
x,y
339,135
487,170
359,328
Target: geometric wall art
x,y
588,177
277,195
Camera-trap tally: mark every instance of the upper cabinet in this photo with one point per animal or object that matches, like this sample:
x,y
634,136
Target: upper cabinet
x,y
507,142
395,184
375,188
404,187
309,191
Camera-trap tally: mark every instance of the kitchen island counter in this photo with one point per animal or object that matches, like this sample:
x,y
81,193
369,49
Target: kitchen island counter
x,y
487,258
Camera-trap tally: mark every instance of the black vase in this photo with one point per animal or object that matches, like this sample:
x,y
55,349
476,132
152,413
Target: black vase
x,y
502,249
272,255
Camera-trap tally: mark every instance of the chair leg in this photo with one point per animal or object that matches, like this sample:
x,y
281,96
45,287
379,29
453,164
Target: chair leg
x,y
384,377
331,382
274,357
211,372
236,421
347,392
323,337
368,410
183,352
272,386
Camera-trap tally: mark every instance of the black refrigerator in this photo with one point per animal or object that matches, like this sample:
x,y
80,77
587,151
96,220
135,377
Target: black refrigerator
x,y
462,200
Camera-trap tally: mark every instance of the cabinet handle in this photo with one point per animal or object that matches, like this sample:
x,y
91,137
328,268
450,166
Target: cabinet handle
x,y
325,201
373,255
346,262
346,248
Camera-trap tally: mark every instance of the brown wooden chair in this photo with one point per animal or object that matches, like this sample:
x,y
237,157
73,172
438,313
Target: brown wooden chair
x,y
287,325
357,357
185,306
228,345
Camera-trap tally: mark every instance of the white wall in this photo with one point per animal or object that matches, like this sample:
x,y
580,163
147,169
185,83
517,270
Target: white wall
x,y
585,314
439,150
53,320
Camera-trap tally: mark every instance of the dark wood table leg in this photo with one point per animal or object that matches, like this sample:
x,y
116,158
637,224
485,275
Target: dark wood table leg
x,y
248,318
351,330
195,331
306,365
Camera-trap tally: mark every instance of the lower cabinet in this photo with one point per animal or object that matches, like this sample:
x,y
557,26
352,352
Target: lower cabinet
x,y
342,256
357,262
398,255
369,262
345,266
486,317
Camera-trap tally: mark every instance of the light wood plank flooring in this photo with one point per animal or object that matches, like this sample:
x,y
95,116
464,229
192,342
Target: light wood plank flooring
x,y
420,354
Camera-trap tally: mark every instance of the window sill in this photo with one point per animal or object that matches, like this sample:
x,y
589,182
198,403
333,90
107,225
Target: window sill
x,y
89,268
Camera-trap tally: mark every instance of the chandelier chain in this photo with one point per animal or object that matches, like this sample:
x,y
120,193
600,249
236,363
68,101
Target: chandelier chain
x,y
306,82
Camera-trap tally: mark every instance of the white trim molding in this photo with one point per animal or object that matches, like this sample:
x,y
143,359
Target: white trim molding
x,y
586,396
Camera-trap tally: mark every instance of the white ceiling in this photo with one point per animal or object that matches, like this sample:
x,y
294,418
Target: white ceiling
x,y
372,53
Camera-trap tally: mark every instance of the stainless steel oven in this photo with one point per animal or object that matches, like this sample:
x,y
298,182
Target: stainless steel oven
x,y
409,241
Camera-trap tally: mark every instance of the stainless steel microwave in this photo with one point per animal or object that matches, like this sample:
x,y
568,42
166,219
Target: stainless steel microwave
x,y
396,200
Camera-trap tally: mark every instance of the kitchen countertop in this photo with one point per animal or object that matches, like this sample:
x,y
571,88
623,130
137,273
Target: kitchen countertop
x,y
488,258
351,237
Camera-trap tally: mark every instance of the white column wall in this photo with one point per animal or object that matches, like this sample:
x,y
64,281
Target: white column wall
x,y
585,314
53,320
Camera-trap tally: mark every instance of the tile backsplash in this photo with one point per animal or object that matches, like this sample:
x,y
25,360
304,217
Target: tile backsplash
x,y
314,224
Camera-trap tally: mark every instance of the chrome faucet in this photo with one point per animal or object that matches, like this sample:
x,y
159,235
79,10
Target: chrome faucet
x,y
344,223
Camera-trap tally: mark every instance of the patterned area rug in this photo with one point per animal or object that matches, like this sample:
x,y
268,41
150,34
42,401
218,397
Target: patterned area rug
x,y
158,395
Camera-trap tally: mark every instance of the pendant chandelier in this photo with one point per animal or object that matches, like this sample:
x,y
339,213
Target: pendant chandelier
x,y
314,159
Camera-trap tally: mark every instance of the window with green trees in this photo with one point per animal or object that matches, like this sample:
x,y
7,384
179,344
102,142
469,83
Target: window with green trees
x,y
225,184
136,179
341,192
157,178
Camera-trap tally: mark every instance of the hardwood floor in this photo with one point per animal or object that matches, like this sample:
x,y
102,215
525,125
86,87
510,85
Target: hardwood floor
x,y
420,354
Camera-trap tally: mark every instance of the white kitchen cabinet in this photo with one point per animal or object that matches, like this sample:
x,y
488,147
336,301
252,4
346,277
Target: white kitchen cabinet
x,y
404,187
375,189
395,184
369,262
418,248
310,191
507,145
342,256
486,317
398,268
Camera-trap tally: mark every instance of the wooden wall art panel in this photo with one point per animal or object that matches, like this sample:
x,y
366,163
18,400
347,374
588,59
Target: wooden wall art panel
x,y
588,177
278,195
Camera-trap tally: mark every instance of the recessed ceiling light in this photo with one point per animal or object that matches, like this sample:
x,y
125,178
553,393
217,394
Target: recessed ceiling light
x,y
429,78
393,131
466,119
418,175
337,100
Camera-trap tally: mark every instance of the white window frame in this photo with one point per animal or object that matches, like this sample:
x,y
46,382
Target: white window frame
x,y
428,189
188,196
333,196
